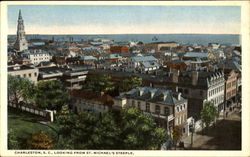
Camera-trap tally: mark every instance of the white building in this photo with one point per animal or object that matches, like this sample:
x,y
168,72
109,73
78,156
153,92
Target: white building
x,y
37,56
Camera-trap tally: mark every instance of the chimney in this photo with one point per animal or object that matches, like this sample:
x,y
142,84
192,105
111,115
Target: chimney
x,y
195,76
179,96
152,94
164,97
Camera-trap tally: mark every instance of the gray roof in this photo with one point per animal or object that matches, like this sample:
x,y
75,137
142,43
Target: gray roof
x,y
144,58
88,58
150,64
196,54
171,97
230,64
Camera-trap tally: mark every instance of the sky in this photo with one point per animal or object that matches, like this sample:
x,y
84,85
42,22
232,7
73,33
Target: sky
x,y
135,19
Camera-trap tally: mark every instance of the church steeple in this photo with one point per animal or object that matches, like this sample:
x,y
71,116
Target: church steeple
x,y
21,42
20,15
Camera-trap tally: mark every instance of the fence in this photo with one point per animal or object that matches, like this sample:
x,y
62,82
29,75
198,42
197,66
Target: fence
x,y
48,114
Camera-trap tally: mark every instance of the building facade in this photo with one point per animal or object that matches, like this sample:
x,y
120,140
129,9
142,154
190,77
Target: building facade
x,y
201,86
88,101
119,49
24,71
168,108
230,88
37,56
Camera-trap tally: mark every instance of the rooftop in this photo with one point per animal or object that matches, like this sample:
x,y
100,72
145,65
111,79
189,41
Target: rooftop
x,y
157,95
92,96
144,58
18,67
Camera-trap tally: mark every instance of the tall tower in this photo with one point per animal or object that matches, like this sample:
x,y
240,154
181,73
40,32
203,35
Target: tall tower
x,y
21,42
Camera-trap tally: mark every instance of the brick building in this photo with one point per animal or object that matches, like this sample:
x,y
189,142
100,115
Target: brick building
x,y
119,49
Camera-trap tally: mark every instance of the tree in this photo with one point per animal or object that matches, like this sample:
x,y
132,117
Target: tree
x,y
50,95
208,113
39,141
139,131
19,89
176,135
89,131
99,83
130,83
129,129
12,140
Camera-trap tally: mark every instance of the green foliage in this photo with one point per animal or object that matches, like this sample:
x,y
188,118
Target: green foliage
x,y
99,83
208,113
130,83
128,130
12,140
19,88
89,131
50,94
23,124
139,131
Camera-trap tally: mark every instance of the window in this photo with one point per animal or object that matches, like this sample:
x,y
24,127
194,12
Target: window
x,y
24,75
147,107
29,74
181,107
157,109
35,74
184,106
178,109
139,105
166,111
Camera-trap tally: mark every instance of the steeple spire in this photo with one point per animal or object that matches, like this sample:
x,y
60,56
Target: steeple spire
x,y
21,42
20,14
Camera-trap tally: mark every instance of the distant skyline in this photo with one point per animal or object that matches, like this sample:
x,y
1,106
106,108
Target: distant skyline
x,y
135,19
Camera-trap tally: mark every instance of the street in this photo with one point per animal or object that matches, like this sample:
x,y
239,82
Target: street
x,y
226,135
